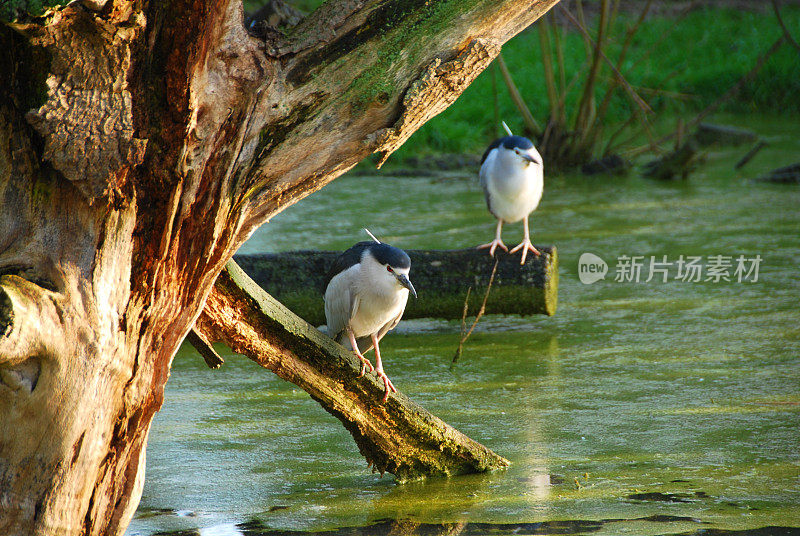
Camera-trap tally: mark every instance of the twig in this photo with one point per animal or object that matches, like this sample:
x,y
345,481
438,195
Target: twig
x,y
653,145
464,319
740,84
586,41
481,311
679,135
519,102
621,58
495,95
643,106
558,35
586,109
655,46
750,154
732,91
547,65
783,26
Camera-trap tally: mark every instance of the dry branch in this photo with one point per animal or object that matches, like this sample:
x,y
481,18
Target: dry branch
x,y
527,117
465,334
750,154
398,437
786,33
727,96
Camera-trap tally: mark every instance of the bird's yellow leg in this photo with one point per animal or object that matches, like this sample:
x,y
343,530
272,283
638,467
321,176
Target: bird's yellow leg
x,y
364,361
379,370
526,245
496,242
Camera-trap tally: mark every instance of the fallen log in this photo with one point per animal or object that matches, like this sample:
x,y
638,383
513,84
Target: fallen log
x,y
398,436
785,175
710,134
441,278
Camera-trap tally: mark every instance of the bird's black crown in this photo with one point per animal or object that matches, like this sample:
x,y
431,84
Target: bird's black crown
x,y
383,253
386,254
509,142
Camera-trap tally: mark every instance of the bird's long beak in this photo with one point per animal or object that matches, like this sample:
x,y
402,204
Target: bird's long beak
x,y
529,158
406,282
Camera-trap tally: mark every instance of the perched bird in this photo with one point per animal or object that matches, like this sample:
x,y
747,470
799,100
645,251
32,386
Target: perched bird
x,y
365,296
512,177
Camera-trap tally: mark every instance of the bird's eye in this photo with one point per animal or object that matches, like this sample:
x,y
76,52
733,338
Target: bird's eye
x,y
389,268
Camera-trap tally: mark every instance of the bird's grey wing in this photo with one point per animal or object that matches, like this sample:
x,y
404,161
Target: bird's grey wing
x,y
484,175
340,305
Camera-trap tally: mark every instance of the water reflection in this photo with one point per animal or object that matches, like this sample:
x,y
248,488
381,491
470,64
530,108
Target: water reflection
x,y
538,478
412,528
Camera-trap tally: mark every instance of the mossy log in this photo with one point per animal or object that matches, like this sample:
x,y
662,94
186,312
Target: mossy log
x,y
441,278
397,436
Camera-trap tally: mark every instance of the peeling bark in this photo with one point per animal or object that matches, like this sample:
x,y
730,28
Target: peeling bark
x,y
141,143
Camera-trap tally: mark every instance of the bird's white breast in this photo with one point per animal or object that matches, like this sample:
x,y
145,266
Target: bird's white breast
x,y
513,189
377,306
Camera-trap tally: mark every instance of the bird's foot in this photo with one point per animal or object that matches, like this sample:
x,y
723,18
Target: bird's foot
x,y
387,383
365,364
493,246
525,246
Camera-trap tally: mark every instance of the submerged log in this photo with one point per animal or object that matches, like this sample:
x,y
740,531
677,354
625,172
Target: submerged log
x,y
677,163
711,134
612,164
397,436
785,175
441,277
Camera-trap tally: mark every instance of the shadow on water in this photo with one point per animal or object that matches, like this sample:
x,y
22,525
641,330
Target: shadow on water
x,y
389,527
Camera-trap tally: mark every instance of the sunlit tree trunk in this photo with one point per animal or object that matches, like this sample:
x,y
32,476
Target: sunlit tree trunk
x,y
141,143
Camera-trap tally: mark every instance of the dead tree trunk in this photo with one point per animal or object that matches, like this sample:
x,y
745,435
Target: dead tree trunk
x,y
141,143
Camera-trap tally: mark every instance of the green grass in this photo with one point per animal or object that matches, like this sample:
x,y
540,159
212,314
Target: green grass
x,y
703,55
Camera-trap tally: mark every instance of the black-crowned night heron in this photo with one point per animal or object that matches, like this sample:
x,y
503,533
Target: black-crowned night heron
x,y
365,296
512,177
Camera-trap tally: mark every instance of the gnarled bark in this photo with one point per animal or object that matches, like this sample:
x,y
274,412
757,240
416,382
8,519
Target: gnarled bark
x,y
141,143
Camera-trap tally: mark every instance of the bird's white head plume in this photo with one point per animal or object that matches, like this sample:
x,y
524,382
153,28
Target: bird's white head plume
x,y
507,129
371,235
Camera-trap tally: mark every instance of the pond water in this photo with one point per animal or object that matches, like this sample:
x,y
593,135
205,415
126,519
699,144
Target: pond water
x,y
645,407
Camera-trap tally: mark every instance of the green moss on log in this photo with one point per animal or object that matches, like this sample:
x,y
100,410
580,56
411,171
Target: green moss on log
x,y
441,278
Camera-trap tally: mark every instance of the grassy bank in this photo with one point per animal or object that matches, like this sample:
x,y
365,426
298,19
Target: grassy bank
x,y
678,65
701,56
